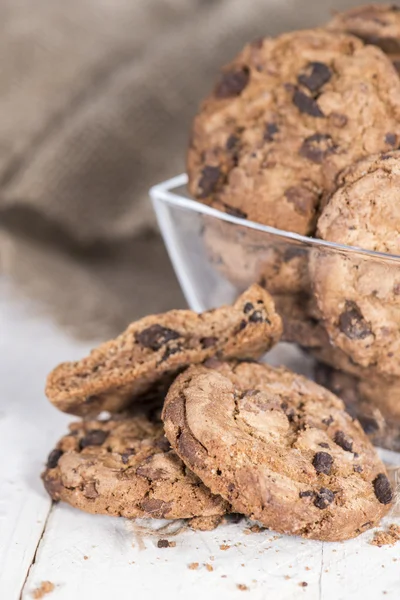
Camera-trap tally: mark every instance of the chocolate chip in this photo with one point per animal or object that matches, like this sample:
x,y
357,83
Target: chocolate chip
x,y
231,142
322,462
344,441
248,307
323,498
209,179
155,336
306,494
382,489
241,325
232,83
293,252
235,212
323,445
163,444
169,351
391,139
306,104
125,456
357,469
317,147
53,458
328,421
256,317
208,342
156,508
163,544
94,437
270,130
302,199
315,75
352,322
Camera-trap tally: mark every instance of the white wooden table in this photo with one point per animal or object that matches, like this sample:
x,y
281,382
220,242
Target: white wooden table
x,y
89,557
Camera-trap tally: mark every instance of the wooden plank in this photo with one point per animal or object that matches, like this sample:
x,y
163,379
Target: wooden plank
x,y
29,426
123,561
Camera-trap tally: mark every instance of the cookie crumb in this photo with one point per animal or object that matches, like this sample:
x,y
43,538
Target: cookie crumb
x,y
44,588
85,557
307,568
193,566
386,538
303,584
287,577
208,567
224,547
165,544
242,587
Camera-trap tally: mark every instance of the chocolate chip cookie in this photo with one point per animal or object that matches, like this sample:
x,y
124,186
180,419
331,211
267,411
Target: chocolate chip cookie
x,y
358,295
125,467
151,351
279,448
373,400
377,24
244,256
285,117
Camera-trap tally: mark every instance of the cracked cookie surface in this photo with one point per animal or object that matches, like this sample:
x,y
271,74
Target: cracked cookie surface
x,y
287,115
357,295
152,350
377,24
279,448
126,467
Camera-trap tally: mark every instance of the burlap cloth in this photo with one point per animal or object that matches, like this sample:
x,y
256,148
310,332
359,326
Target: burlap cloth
x,y
96,99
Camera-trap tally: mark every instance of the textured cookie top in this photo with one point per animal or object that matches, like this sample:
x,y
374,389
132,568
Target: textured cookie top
x,y
152,350
377,24
279,448
364,211
285,117
125,467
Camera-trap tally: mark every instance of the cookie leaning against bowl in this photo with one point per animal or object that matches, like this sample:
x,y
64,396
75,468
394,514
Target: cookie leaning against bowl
x,y
152,350
362,314
285,117
125,467
377,24
279,448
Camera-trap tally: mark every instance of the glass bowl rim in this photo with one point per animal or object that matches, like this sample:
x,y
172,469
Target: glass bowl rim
x,y
166,192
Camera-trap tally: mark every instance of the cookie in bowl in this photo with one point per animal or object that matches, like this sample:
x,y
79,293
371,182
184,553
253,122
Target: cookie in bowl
x,y
377,24
286,116
358,294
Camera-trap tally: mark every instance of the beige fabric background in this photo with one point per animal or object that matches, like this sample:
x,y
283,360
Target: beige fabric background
x,y
96,99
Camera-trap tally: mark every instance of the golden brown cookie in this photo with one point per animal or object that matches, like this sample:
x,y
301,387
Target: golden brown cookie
x,y
357,295
125,467
287,115
377,24
373,400
279,448
151,351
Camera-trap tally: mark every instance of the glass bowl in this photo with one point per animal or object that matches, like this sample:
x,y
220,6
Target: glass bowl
x,y
340,305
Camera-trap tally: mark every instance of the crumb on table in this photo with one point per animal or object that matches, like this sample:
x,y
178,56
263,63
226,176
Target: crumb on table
x,y
387,537
224,547
209,567
165,544
193,566
44,588
303,584
242,587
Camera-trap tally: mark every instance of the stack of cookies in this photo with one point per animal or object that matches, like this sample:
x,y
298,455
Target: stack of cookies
x,y
302,133
196,428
